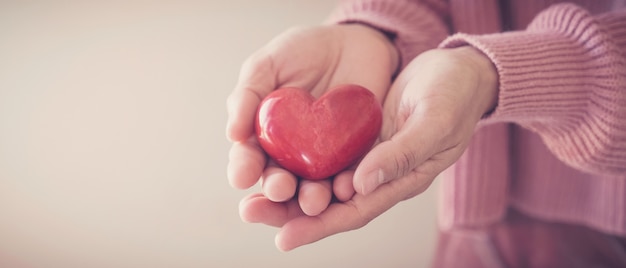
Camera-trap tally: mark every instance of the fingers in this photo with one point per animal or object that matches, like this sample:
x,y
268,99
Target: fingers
x,y
342,186
299,229
246,162
256,208
256,80
246,158
314,196
341,217
241,107
278,184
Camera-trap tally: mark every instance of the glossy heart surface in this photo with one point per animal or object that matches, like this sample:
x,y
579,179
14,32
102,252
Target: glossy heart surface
x,y
316,139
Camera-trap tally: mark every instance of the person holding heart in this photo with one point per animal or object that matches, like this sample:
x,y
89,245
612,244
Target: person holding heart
x,y
519,107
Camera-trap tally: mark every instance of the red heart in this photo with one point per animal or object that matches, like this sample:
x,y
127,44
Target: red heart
x,y
317,139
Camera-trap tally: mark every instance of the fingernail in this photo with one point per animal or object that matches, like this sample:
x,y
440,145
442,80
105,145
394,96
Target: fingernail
x,y
372,181
381,176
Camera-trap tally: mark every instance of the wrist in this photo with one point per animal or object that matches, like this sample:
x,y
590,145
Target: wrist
x,y
487,74
382,36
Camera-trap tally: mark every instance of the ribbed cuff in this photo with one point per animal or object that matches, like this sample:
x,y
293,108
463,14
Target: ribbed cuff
x,y
415,27
563,78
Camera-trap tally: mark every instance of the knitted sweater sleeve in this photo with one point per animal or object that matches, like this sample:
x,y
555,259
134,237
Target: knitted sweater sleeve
x,y
564,77
414,25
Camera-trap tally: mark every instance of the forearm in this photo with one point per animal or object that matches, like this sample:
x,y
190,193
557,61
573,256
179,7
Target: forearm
x,y
413,26
564,78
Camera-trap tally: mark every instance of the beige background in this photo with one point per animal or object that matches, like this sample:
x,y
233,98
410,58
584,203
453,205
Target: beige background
x,y
112,147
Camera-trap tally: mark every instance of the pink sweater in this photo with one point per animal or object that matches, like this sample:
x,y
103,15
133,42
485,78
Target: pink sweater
x,y
555,146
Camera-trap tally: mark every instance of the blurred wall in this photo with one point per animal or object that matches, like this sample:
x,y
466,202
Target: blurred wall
x,y
112,146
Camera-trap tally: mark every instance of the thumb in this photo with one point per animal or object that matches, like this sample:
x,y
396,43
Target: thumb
x,y
391,159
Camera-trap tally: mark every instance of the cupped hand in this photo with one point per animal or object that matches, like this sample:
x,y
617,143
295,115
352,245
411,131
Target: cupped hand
x,y
316,59
430,113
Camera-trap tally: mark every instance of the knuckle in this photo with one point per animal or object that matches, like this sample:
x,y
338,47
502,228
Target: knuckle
x,y
362,218
404,163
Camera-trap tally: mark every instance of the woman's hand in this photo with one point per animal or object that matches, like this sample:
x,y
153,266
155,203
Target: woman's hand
x,y
430,112
316,59
430,115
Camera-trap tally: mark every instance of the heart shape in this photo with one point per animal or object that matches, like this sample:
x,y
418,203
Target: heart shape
x,y
316,139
